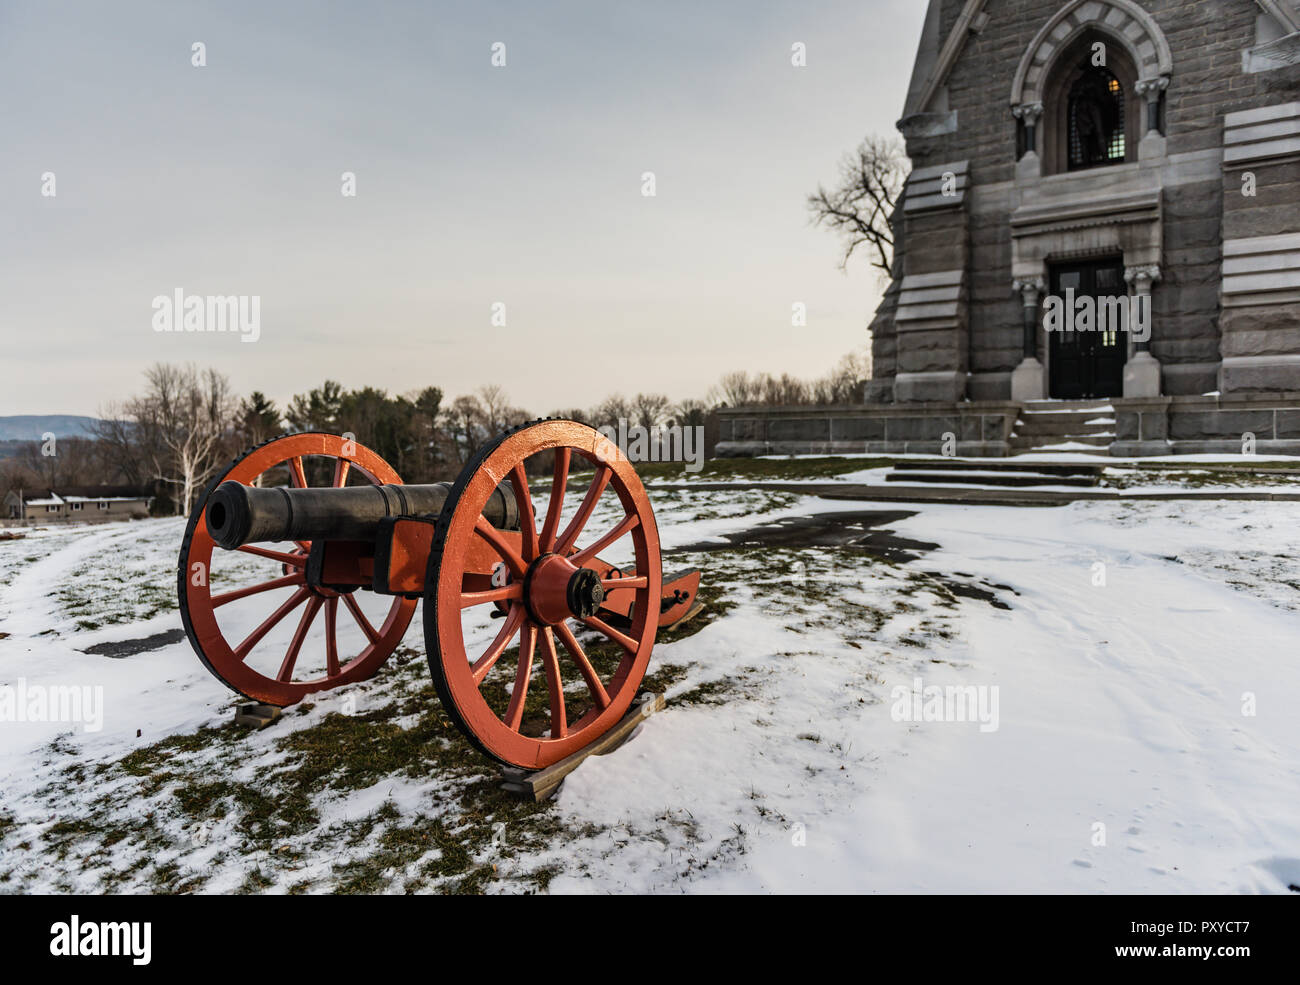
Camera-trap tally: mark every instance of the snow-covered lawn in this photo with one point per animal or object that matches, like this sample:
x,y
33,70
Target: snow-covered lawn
x,y
1136,662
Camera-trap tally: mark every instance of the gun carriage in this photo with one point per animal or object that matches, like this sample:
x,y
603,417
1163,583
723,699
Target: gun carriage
x,y
350,551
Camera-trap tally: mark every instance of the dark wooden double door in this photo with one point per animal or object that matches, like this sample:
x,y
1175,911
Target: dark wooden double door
x,y
1084,365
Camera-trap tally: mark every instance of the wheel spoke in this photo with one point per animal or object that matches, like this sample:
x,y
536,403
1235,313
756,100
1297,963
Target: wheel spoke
x,y
242,651
298,476
622,639
527,518
296,560
598,483
341,467
299,634
597,689
512,592
613,584
519,694
489,533
267,586
628,522
331,637
556,504
361,619
493,653
551,663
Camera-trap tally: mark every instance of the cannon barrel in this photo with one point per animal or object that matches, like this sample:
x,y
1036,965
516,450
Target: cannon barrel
x,y
238,514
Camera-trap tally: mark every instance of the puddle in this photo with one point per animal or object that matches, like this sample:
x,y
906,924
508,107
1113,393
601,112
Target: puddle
x,y
859,528
129,648
979,592
862,530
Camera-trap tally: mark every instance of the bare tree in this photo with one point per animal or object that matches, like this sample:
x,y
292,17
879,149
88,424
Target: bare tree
x,y
611,410
120,445
690,413
464,420
738,389
651,409
783,391
860,206
496,407
843,384
55,462
189,412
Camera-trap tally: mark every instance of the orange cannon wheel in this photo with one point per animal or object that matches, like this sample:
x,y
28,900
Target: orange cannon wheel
x,y
540,585
253,620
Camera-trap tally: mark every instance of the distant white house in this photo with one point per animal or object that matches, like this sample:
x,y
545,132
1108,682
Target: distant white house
x,y
82,504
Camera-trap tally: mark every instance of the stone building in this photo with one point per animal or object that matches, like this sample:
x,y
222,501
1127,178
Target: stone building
x,y
1103,149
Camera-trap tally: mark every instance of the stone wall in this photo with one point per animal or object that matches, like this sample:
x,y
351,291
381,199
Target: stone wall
x,y
979,428
1172,425
1260,319
1185,305
930,318
1207,425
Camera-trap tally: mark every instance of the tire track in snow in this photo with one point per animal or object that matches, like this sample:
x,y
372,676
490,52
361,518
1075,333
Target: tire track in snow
x,y
29,605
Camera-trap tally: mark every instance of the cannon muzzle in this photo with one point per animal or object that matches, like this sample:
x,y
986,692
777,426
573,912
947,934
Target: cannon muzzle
x,y
238,514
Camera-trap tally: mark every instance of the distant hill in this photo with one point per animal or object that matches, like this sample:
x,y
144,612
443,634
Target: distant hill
x,y
30,427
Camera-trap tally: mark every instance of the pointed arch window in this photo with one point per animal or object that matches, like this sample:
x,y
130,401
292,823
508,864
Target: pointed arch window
x,y
1091,107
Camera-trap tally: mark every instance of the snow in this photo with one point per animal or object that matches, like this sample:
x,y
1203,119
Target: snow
x,y
1050,407
1125,694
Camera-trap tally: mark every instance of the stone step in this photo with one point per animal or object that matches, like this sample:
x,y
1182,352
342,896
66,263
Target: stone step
x,y
1037,425
1057,406
993,478
1028,442
961,465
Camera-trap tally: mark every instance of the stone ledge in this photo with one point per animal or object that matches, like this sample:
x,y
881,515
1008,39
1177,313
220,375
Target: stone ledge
x,y
1009,496
872,410
1229,401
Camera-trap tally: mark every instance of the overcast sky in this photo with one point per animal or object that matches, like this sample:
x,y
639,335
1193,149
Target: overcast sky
x,y
475,185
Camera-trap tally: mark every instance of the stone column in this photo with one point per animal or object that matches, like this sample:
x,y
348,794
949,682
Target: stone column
x,y
1028,114
1142,372
1152,143
1150,89
1030,165
1028,380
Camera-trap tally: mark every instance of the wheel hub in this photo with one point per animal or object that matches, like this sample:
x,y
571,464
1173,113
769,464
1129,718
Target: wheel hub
x,y
555,590
584,593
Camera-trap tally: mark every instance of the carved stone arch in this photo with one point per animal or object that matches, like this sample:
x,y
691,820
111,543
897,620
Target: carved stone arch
x,y
1124,20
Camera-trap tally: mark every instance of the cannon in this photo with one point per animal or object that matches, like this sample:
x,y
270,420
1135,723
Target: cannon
x,y
317,527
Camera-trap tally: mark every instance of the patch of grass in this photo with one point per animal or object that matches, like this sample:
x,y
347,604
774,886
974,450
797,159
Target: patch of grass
x,y
663,676
709,693
126,831
1273,475
255,881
